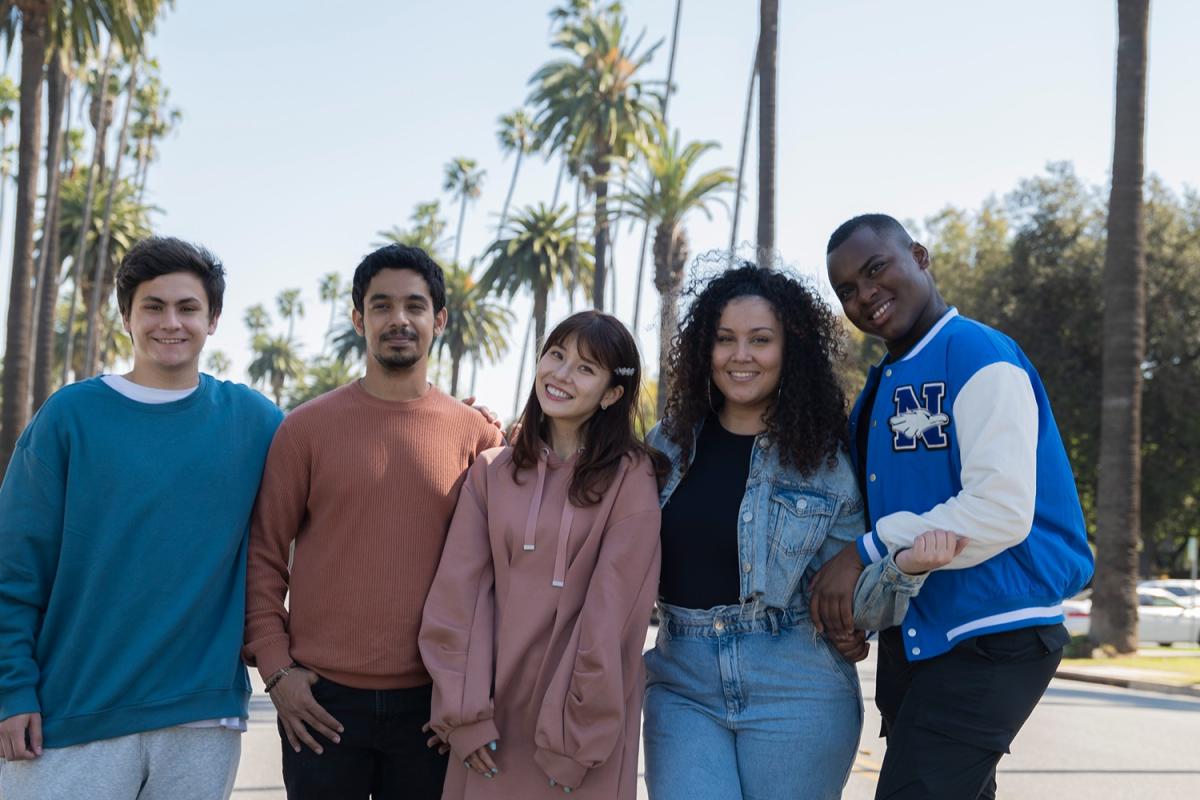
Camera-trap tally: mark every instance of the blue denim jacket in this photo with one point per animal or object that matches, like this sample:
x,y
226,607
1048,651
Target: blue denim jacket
x,y
788,525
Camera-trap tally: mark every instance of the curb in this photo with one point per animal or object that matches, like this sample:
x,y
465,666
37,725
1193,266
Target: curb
x,y
1126,683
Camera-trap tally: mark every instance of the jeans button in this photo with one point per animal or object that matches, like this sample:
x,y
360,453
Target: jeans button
x,y
719,625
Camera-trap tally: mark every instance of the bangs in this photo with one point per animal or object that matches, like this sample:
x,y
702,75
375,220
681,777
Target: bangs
x,y
596,340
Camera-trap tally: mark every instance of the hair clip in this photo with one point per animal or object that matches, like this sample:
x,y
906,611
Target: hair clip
x,y
625,371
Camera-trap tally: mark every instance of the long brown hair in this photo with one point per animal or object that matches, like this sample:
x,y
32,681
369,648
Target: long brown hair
x,y
609,435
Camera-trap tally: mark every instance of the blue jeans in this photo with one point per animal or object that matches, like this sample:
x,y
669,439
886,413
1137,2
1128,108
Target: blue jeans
x,y
747,706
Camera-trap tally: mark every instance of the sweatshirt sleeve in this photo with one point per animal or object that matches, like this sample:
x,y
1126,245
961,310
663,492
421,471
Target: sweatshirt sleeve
x,y
996,417
579,728
278,514
457,625
31,529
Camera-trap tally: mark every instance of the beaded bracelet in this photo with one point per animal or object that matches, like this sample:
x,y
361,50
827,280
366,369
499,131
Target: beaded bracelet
x,y
279,675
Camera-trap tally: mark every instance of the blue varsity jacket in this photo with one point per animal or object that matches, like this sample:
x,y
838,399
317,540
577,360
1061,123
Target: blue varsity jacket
x,y
962,439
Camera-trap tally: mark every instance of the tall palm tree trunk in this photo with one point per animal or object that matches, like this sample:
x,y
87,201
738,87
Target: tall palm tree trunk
x,y
455,364
670,262
641,267
541,299
462,216
574,251
78,268
14,412
512,185
58,93
768,49
521,367
600,235
1118,506
741,171
99,276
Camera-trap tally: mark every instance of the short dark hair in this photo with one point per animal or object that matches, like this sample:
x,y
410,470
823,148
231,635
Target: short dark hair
x,y
399,256
882,224
163,255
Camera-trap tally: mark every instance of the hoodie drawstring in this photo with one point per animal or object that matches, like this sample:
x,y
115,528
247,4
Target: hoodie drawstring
x,y
564,533
536,504
564,523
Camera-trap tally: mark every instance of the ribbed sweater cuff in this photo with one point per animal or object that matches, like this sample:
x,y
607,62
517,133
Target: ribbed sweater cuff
x,y
564,771
466,739
272,657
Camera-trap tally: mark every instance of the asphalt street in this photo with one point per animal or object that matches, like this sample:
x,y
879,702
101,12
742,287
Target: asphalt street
x,y
1084,740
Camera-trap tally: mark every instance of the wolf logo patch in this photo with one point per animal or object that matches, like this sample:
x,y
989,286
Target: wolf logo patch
x,y
922,421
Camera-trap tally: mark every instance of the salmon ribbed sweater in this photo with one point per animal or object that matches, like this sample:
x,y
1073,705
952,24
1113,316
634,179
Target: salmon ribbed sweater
x,y
366,489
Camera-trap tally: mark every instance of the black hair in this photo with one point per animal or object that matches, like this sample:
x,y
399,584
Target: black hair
x,y
163,255
808,419
399,256
882,224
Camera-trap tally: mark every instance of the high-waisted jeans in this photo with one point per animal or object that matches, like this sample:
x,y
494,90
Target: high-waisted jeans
x,y
745,704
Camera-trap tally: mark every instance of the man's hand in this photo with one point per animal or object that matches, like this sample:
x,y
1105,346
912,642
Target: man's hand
x,y
931,550
13,746
853,647
484,411
297,708
832,605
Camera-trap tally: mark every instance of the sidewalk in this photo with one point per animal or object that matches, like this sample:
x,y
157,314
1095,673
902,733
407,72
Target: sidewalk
x,y
1136,674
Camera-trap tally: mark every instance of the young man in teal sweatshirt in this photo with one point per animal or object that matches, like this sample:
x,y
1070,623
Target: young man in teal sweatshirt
x,y
123,527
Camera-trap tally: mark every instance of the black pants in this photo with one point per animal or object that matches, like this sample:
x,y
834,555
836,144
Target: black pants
x,y
382,754
949,719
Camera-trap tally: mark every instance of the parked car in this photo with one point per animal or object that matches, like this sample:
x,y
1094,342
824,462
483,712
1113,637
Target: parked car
x,y
1188,591
1163,617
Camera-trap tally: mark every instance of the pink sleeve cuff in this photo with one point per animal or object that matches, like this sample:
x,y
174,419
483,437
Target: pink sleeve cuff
x,y
563,770
466,739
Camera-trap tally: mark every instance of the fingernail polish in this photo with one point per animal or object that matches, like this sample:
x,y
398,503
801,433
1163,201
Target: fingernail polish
x,y
492,746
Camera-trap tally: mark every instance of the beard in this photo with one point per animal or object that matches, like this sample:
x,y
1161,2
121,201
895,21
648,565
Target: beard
x,y
394,362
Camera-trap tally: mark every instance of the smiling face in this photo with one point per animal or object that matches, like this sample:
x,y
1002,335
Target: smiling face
x,y
885,287
398,320
169,323
747,354
570,386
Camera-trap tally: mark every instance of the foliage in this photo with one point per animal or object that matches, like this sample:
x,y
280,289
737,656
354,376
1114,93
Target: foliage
x,y
476,326
323,374
276,362
428,227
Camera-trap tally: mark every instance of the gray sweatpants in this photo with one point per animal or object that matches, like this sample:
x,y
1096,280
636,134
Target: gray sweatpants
x,y
167,764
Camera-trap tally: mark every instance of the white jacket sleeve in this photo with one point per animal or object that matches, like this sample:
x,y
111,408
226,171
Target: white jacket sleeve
x,y
996,420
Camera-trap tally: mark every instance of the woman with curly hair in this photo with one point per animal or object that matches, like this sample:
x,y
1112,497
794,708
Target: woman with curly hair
x,y
744,699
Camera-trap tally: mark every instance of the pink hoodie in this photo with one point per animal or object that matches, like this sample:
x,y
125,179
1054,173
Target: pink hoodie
x,y
534,627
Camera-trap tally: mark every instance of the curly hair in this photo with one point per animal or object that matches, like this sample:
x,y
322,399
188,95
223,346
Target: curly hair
x,y
807,422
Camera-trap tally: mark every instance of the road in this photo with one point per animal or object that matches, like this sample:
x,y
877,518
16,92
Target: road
x,y
1084,740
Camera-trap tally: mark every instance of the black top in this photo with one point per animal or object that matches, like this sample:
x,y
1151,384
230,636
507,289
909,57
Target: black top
x,y
699,522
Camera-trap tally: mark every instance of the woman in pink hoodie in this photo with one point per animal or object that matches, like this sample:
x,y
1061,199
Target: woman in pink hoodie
x,y
534,627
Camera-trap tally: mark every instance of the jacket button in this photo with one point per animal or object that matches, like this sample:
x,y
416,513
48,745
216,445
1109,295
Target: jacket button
x,y
874,423
887,373
747,517
802,504
916,651
912,631
747,567
872,477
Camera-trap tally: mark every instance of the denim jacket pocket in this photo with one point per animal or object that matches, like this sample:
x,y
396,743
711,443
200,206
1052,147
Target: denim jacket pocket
x,y
798,521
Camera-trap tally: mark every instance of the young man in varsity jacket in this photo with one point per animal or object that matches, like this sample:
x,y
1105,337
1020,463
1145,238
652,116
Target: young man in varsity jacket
x,y
952,431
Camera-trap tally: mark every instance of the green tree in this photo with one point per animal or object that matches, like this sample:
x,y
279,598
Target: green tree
x,y
768,72
257,319
276,362
348,343
428,228
594,106
323,374
665,198
1114,600
464,181
154,119
517,134
535,253
476,327
332,292
290,307
9,96
218,363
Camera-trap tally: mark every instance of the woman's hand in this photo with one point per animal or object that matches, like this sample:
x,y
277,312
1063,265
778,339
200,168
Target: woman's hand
x,y
481,761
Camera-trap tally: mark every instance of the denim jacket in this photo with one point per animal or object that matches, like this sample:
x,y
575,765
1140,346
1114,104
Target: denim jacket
x,y
788,524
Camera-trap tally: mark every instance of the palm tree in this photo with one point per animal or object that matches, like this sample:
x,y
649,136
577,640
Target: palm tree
x,y
218,363
322,375
331,292
666,197
276,361
257,319
8,96
594,106
768,56
1118,504
153,121
426,232
98,282
464,180
348,343
535,253
476,326
517,134
290,307
741,171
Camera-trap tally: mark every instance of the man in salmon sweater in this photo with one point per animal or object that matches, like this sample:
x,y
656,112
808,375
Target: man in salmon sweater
x,y
363,482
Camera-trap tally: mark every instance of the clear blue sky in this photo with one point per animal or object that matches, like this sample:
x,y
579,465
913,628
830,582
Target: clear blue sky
x,y
309,127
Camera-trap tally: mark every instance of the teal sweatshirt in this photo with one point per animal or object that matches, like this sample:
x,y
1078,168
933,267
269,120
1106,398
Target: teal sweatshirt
x,y
123,530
